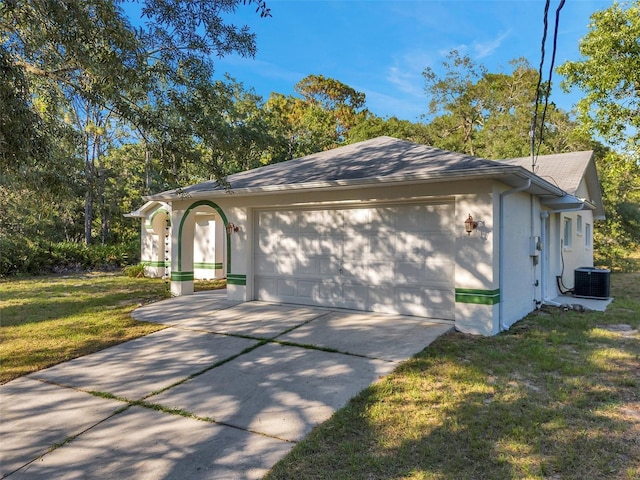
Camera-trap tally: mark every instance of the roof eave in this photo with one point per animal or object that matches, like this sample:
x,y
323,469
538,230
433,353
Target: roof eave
x,y
499,172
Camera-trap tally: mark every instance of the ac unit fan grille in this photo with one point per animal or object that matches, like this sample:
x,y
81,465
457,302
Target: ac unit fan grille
x,y
591,282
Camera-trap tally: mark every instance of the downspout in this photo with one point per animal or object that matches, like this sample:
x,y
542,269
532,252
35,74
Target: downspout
x,y
501,252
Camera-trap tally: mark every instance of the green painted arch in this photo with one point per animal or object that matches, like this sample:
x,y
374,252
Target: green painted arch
x,y
218,210
149,225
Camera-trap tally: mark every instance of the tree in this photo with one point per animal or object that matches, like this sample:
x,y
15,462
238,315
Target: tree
x,y
343,102
620,179
609,74
489,114
370,126
457,96
319,118
78,69
88,50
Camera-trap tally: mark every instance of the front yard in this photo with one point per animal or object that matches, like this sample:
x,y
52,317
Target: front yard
x,y
556,397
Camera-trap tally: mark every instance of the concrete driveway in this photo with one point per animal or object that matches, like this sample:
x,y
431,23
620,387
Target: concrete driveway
x,y
223,393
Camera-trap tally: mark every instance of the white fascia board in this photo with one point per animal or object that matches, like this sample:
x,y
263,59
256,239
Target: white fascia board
x,y
140,212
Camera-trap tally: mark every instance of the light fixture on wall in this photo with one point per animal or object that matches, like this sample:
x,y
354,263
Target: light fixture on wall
x,y
470,225
231,228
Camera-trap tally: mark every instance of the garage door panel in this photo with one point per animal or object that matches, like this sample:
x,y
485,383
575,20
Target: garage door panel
x,y
355,294
331,245
266,264
354,246
267,242
380,300
355,270
409,273
310,221
286,264
356,219
308,266
409,218
381,273
285,287
330,266
439,244
388,258
330,292
439,302
308,289
309,243
287,221
382,247
287,244
438,273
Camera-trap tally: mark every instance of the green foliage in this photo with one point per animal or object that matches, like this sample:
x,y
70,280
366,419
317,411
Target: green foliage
x,y
371,126
20,255
320,118
620,233
609,74
134,271
489,114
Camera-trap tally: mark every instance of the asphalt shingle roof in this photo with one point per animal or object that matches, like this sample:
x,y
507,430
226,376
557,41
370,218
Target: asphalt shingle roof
x,y
382,157
566,170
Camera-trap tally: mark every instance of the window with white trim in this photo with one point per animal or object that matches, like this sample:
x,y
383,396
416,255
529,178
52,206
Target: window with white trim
x,y
579,224
568,231
587,235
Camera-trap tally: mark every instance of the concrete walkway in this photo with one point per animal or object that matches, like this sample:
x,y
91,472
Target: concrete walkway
x,y
223,393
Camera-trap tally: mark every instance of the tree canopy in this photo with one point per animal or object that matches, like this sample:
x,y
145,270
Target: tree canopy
x,y
56,52
101,112
609,75
489,114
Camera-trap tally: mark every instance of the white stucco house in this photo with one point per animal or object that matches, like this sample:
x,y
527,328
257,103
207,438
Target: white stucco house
x,y
381,226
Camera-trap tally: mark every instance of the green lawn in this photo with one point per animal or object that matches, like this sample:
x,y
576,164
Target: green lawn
x,y
49,319
556,397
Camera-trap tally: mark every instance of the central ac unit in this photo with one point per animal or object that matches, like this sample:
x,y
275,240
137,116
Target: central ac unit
x,y
591,282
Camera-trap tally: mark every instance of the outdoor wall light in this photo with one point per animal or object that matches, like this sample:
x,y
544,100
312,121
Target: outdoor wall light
x,y
470,225
231,228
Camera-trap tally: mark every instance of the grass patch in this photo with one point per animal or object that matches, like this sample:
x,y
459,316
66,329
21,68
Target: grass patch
x,y
50,319
557,396
216,284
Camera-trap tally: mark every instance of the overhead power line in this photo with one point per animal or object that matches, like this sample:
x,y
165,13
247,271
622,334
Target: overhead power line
x,y
536,151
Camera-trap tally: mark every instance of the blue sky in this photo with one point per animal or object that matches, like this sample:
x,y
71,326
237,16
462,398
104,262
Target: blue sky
x,y
381,47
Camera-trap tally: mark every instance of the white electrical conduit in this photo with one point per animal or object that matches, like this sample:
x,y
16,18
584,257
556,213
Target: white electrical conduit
x,y
543,239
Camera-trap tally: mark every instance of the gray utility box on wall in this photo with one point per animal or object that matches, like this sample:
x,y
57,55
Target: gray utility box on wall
x,y
591,282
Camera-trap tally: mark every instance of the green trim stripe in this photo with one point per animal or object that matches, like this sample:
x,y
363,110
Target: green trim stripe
x,y
236,279
479,297
181,276
153,263
208,265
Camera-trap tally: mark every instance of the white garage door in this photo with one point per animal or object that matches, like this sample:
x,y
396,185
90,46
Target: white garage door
x,y
389,258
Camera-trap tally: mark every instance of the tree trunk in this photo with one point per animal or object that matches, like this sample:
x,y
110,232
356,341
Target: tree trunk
x,y
89,173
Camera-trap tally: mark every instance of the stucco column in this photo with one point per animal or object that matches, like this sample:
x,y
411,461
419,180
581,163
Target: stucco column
x,y
181,251
220,248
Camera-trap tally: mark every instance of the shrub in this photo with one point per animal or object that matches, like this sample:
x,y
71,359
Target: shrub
x,y
134,271
20,255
